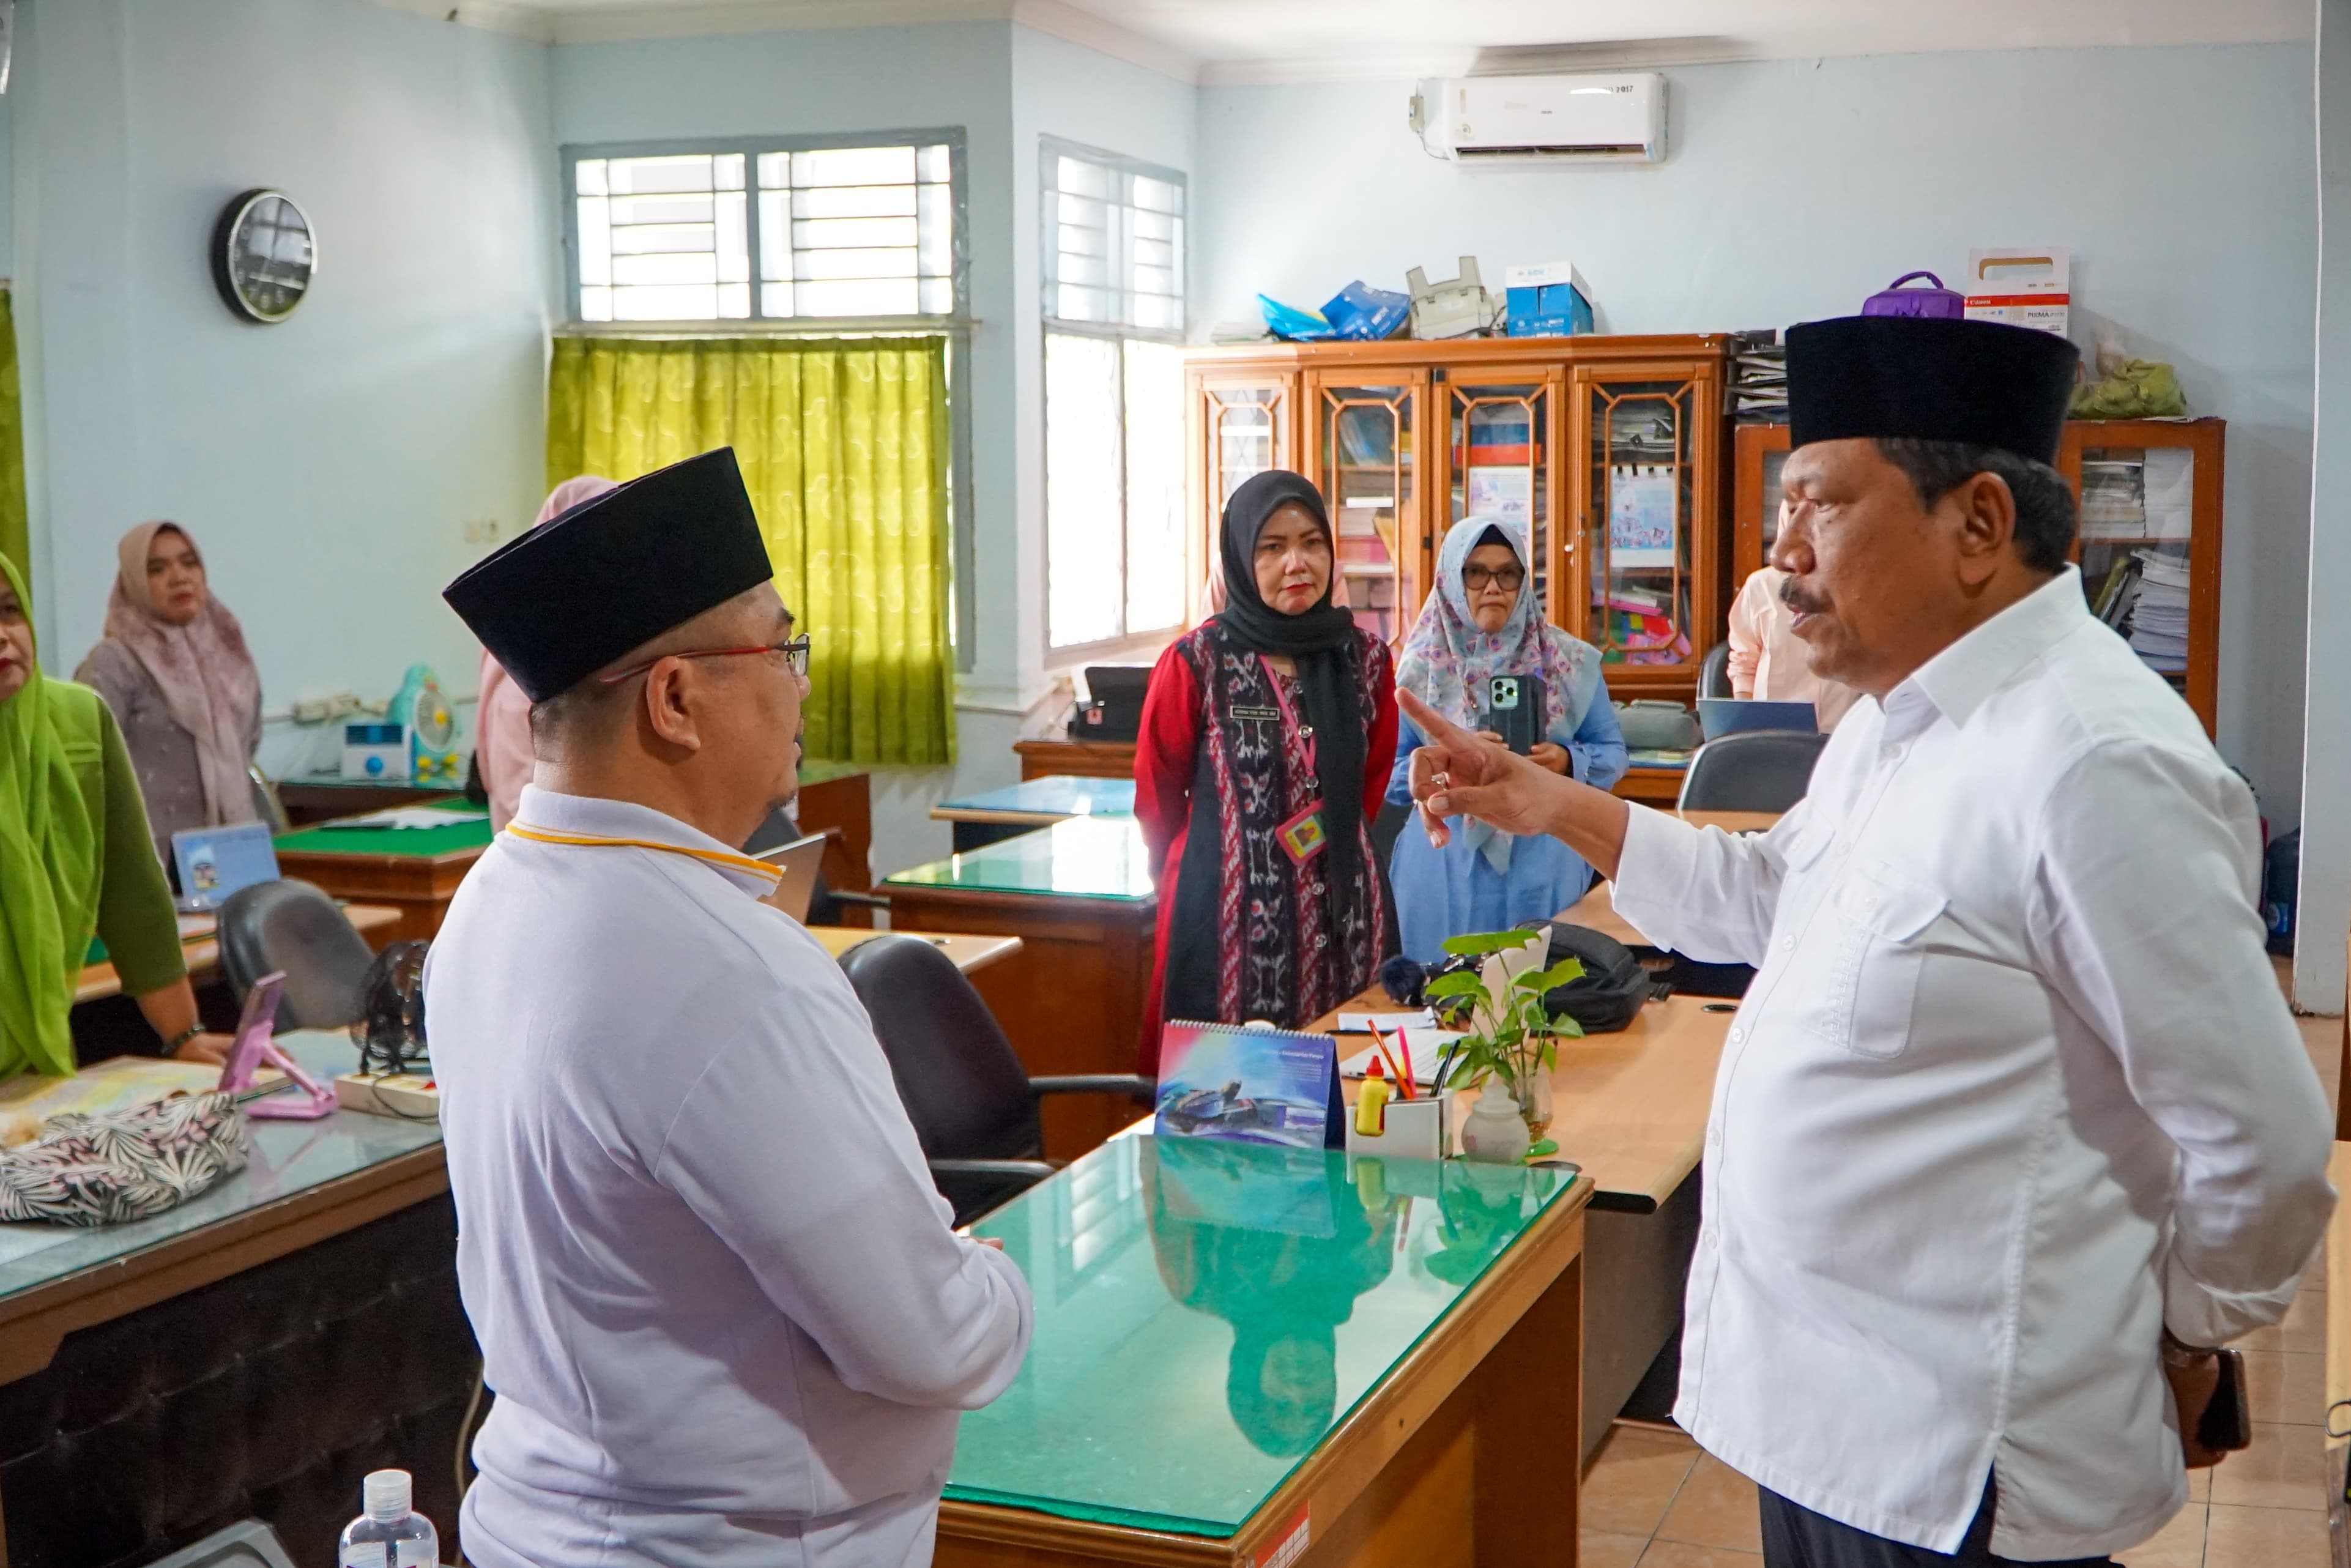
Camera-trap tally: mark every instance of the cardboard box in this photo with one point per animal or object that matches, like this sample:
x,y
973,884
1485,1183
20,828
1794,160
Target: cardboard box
x,y
2021,286
1547,299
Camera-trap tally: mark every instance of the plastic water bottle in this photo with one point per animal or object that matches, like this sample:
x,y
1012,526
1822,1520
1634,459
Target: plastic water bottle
x,y
388,1535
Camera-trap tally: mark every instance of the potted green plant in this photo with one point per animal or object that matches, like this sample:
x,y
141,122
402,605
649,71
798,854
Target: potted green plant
x,y
1509,1034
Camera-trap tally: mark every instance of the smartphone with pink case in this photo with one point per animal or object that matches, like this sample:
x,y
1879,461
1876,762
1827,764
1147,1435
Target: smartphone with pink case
x,y
254,1045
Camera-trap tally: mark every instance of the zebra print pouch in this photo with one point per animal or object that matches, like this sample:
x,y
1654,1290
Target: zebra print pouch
x,y
124,1165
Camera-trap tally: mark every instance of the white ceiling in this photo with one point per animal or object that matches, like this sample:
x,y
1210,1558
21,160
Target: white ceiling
x,y
1300,40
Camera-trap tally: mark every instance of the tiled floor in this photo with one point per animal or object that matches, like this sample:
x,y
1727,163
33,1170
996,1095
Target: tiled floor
x,y
1651,1500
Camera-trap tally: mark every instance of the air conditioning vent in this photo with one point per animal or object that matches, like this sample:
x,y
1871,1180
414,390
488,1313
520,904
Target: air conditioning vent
x,y
1543,120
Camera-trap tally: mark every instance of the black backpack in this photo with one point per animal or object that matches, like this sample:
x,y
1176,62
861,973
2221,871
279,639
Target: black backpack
x,y
1613,986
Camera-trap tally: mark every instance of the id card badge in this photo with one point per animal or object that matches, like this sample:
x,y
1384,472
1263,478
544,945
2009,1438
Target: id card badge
x,y
1302,837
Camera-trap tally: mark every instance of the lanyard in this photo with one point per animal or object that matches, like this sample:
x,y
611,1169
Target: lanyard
x,y
713,857
1289,714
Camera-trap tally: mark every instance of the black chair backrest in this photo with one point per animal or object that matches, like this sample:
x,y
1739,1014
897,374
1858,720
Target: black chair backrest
x,y
964,1089
1714,672
291,926
1754,770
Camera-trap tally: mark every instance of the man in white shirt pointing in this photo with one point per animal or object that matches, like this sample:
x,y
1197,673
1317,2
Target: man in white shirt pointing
x,y
716,1293
2013,1109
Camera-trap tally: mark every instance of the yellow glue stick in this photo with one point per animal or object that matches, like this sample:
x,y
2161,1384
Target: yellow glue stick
x,y
1371,1109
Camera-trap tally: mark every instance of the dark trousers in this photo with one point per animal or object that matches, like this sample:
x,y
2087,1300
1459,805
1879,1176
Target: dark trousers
x,y
1796,1537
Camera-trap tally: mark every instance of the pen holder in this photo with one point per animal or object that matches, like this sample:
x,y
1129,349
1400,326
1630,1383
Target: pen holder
x,y
1410,1130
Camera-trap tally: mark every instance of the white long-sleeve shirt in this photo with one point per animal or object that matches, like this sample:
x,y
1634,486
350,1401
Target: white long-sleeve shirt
x,y
716,1293
2014,1086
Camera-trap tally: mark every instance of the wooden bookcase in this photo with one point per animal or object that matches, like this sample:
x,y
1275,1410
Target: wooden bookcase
x,y
1405,438
2110,464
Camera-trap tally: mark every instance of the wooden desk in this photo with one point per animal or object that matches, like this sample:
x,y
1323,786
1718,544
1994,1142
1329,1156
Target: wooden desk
x,y
203,953
1083,759
323,797
1079,896
1651,786
118,1325
1631,1108
969,953
841,795
414,870
1023,808
1440,1447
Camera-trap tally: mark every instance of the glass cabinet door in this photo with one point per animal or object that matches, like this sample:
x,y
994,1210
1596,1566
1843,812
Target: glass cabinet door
x,y
1247,434
1497,443
1640,533
1768,511
2137,552
1365,447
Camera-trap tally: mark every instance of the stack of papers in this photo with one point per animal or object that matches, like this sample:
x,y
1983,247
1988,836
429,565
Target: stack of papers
x,y
1428,1046
410,817
2159,616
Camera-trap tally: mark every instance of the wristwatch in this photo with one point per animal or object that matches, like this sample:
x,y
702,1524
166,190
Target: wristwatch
x,y
172,1046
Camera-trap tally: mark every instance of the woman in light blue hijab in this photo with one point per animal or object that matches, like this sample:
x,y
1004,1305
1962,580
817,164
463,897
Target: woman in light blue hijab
x,y
1480,621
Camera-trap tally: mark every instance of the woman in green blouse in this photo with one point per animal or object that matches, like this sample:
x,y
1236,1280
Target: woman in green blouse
x,y
75,859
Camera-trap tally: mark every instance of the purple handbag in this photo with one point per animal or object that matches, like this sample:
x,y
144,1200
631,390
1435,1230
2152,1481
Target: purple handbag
x,y
1938,303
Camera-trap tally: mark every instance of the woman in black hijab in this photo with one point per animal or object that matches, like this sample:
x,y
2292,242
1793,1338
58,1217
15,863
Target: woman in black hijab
x,y
1267,736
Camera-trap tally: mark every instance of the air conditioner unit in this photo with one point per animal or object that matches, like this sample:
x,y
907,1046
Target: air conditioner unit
x,y
1527,119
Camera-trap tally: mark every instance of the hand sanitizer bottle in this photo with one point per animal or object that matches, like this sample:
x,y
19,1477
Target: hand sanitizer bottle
x,y
388,1535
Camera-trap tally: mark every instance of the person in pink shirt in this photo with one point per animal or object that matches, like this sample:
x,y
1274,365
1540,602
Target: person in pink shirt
x,y
502,717
1769,662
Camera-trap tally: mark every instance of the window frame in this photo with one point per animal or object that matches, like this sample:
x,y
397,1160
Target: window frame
x,y
1050,150
750,147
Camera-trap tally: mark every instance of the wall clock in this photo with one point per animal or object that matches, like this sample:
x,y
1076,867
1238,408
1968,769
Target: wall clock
x,y
264,255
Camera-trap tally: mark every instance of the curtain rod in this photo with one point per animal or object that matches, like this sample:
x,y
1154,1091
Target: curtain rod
x,y
842,326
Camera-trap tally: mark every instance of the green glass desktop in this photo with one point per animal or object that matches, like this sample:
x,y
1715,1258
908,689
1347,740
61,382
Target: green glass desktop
x,y
1083,857
1209,1312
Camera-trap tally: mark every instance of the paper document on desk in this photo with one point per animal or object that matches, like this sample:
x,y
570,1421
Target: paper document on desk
x,y
1386,1023
1427,1048
410,817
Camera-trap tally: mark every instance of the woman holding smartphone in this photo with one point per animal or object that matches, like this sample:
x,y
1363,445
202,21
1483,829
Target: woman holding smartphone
x,y
1481,623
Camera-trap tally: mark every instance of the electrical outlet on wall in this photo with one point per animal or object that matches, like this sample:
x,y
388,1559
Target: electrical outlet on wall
x,y
481,530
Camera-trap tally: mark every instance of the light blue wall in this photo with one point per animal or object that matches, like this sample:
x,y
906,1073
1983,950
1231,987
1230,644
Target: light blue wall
x,y
1074,94
327,465
1004,85
2322,910
2180,178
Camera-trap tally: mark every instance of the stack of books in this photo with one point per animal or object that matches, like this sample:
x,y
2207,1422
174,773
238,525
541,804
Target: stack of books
x,y
1759,378
2159,616
2145,598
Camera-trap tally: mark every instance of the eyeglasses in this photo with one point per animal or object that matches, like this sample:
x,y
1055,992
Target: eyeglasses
x,y
1510,577
795,651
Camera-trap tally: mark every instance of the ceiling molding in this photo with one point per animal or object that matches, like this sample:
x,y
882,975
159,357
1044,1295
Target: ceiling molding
x,y
1957,33
1108,37
1905,29
521,21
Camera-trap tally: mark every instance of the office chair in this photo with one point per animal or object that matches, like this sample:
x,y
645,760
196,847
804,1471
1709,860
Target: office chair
x,y
973,1106
267,806
1754,770
1714,673
291,926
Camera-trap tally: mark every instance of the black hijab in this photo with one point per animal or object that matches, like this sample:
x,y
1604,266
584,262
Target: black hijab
x,y
1321,640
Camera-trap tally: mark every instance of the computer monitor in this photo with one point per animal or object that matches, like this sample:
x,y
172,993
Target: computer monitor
x,y
1719,717
800,861
213,862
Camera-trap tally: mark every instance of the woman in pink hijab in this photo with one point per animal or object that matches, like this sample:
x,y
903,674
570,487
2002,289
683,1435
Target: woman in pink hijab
x,y
173,667
502,717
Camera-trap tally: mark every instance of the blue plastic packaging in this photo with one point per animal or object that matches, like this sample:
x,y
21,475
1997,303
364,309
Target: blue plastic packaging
x,y
1289,322
1365,314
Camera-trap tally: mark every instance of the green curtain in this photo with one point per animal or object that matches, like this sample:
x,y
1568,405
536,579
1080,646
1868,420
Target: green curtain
x,y
15,533
843,444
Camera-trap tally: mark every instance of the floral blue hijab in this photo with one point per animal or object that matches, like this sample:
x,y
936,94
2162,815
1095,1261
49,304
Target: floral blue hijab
x,y
1447,659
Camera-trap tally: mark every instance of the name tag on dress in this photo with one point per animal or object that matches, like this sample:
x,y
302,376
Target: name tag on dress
x,y
1264,713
